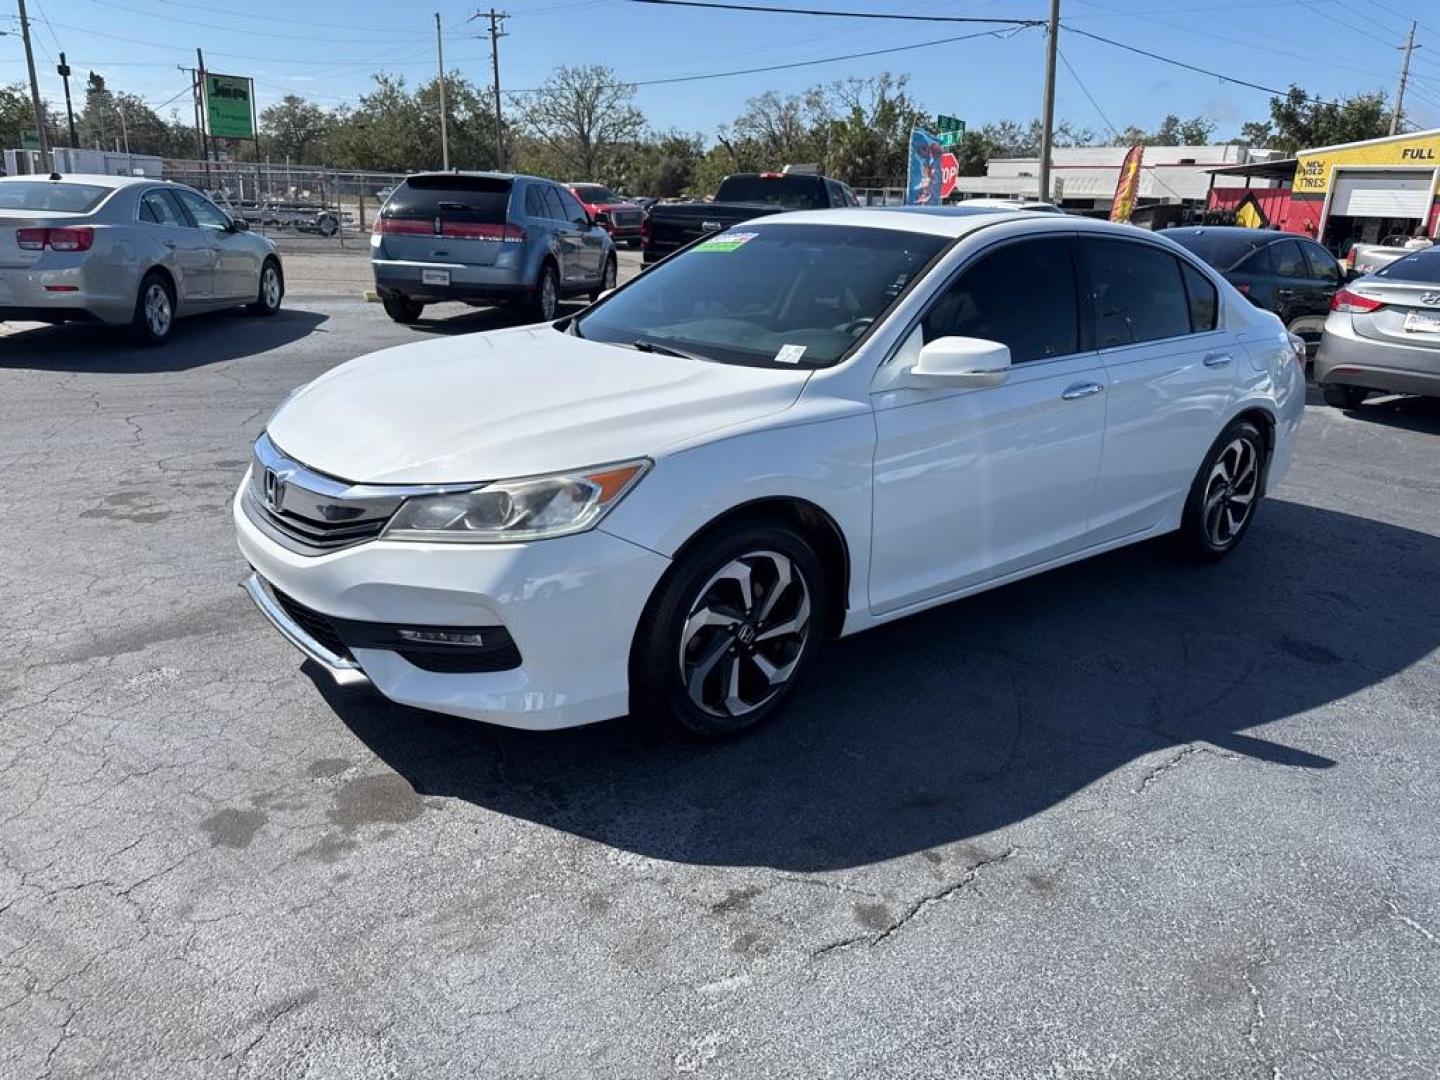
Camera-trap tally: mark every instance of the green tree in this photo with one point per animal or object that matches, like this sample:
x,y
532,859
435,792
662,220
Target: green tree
x,y
394,129
579,120
662,164
1298,121
16,113
293,129
1172,131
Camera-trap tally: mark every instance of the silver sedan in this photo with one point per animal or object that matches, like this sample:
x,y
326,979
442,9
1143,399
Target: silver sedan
x,y
1383,333
127,251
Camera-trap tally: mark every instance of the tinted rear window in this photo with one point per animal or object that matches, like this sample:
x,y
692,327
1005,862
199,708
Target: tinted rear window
x,y
481,199
791,192
1221,250
51,195
1423,266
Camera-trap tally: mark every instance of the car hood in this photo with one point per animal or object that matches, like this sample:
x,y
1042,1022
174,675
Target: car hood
x,y
513,403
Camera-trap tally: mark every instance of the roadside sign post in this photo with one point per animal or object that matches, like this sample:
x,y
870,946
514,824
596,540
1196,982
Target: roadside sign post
x,y
950,130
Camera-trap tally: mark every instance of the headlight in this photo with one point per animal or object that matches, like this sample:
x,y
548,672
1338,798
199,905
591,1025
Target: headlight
x,y
507,511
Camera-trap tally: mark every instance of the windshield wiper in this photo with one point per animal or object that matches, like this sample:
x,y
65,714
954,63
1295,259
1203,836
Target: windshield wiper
x,y
646,345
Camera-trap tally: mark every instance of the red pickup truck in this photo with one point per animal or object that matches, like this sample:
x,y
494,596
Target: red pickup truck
x,y
619,217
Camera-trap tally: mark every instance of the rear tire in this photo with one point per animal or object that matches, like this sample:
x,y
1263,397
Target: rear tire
x,y
1225,494
272,288
402,309
154,317
544,300
1340,396
728,633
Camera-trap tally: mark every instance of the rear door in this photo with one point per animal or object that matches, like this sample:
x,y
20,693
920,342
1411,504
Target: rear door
x,y
190,257
1171,370
445,218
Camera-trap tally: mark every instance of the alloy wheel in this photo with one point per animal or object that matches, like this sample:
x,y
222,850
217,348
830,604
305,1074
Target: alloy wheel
x,y
745,634
270,287
548,298
608,282
1230,491
157,310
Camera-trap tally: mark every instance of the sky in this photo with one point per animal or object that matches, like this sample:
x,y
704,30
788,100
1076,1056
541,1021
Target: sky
x,y
326,50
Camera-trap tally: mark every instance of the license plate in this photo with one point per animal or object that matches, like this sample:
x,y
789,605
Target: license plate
x,y
435,277
1420,322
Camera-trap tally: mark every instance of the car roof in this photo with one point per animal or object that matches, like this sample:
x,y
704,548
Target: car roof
x,y
94,179
1233,230
947,221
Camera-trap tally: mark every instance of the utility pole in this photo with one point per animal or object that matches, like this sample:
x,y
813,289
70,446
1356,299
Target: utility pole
x,y
124,128
35,91
1047,110
496,18
64,71
1409,47
201,90
440,59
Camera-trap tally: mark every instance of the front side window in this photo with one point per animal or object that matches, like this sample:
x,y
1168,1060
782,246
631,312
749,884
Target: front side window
x,y
1022,295
1323,266
161,208
1139,295
206,214
573,211
767,295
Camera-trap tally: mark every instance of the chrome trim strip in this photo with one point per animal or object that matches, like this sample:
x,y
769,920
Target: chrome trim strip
x,y
344,672
271,456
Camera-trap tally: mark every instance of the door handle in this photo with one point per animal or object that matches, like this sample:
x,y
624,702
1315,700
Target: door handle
x,y
1081,390
1217,359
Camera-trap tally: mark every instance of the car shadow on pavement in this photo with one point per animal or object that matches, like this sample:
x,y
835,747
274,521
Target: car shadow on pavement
x,y
448,319
971,717
194,342
1409,413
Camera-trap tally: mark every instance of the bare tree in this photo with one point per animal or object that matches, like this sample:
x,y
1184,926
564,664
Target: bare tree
x,y
581,115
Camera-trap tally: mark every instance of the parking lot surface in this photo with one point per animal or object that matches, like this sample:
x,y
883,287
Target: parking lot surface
x,y
1132,818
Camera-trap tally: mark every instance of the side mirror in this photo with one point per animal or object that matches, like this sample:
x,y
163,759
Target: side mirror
x,y
239,224
962,362
602,219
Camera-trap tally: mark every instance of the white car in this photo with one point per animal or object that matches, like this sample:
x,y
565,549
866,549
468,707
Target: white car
x,y
800,428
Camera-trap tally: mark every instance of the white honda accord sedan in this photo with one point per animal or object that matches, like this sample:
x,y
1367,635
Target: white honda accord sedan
x,y
795,430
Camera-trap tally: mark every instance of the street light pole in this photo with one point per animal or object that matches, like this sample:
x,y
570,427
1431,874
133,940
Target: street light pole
x,y
444,135
35,91
1047,117
64,71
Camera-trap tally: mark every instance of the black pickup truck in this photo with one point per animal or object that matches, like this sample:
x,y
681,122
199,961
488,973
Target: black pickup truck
x,y
740,197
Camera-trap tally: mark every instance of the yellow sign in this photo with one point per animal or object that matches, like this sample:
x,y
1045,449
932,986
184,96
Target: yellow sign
x,y
1315,170
1248,214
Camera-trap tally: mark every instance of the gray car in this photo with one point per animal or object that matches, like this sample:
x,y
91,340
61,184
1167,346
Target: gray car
x,y
126,250
1383,333
486,238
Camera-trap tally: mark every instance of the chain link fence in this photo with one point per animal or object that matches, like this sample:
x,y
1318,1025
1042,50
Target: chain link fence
x,y
306,204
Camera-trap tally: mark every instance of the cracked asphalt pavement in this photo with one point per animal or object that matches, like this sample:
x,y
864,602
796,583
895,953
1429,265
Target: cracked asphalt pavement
x,y
1132,818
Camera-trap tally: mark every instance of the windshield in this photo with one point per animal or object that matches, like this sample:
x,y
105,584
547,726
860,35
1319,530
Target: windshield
x,y
51,195
1423,267
800,192
1221,250
766,294
594,193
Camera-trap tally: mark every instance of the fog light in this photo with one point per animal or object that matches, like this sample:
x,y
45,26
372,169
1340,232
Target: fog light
x,y
441,637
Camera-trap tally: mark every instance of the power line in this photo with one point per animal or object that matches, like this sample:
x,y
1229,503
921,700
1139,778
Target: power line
x,y
826,13
388,31
802,63
246,32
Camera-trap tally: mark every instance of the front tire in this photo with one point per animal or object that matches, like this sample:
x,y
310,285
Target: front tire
x,y
272,288
608,278
1225,494
402,309
1340,396
154,316
728,632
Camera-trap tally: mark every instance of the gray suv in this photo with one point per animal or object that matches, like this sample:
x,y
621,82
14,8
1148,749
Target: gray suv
x,y
486,238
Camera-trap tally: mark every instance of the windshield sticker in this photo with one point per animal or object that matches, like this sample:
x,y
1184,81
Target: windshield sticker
x,y
789,354
726,241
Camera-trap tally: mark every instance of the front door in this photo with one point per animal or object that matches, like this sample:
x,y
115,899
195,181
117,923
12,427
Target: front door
x,y
237,269
589,240
1171,370
972,485
189,254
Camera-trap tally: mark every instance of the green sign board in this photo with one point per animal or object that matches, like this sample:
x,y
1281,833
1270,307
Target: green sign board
x,y
950,130
29,140
228,112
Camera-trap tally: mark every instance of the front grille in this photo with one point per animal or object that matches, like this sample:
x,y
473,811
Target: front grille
x,y
307,534
626,219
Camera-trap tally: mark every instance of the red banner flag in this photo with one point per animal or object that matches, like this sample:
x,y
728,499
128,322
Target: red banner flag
x,y
1128,186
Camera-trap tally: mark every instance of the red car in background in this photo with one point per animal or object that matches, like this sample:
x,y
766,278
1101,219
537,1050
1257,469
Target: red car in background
x,y
619,217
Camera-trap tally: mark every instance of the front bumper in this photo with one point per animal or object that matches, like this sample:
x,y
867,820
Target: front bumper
x,y
1345,358
570,605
